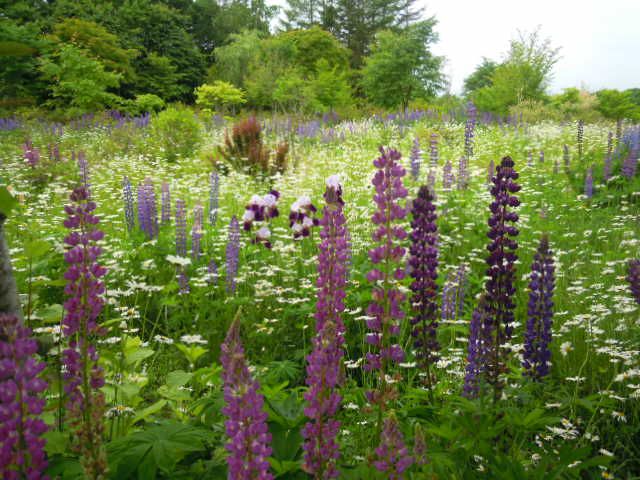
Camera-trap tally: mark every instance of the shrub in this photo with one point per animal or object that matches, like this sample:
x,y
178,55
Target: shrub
x,y
178,131
149,102
245,148
219,96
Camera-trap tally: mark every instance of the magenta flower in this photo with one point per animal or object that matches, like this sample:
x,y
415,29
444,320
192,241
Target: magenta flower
x,y
21,444
324,363
246,425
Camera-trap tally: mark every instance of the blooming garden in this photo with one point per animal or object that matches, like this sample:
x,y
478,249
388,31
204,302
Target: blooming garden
x,y
419,295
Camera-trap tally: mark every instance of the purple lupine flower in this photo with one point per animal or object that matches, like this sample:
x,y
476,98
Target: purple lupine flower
x,y
431,181
463,173
424,264
447,175
415,159
142,209
453,293
183,281
580,137
214,194
31,154
433,153
21,443
420,446
196,231
233,254
301,218
633,277
501,264
588,183
246,425
324,374
480,342
630,164
181,228
566,157
152,207
392,456
83,166
385,310
166,203
607,168
469,129
610,144
212,273
537,356
127,195
84,377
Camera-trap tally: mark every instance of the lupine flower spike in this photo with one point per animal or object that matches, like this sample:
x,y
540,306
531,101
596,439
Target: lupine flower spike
x,y
537,357
246,425
84,289
633,278
21,444
324,367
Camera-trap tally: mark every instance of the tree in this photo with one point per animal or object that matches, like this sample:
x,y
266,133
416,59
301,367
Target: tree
x,y
233,59
617,105
481,77
77,82
401,66
314,44
329,89
158,75
524,75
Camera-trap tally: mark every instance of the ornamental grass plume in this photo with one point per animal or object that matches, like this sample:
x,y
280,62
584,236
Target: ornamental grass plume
x,y
324,364
537,356
392,456
633,277
232,255
21,444
385,310
83,376
246,425
423,261
501,269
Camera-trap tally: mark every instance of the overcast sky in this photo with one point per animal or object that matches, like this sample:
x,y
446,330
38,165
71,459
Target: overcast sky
x,y
600,39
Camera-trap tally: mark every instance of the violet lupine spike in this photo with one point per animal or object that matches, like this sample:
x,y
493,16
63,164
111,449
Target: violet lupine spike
x,y
183,282
21,444
196,231
490,172
142,209
607,168
415,159
478,350
212,273
500,290
610,144
431,181
83,166
424,271
433,153
84,377
392,455
385,310
588,184
630,164
127,195
324,364
469,129
31,154
181,228
536,355
151,207
447,175
246,425
633,277
232,254
463,174
166,204
214,194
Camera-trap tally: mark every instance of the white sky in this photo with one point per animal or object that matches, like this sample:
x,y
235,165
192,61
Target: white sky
x,y
600,39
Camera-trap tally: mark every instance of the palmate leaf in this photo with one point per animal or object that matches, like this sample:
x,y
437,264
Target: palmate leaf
x,y
144,454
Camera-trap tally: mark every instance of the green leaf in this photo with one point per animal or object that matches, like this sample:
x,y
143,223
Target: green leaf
x,y
57,442
7,201
150,410
178,378
36,248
